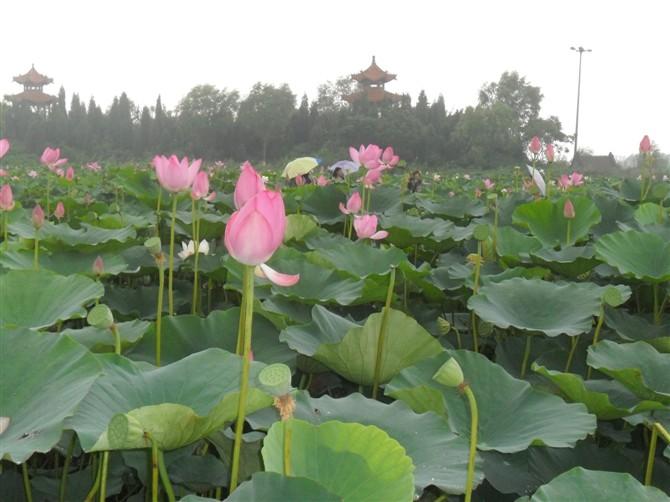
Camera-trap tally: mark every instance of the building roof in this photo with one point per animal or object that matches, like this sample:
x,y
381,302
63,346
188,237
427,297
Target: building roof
x,y
32,97
373,74
33,77
373,95
595,163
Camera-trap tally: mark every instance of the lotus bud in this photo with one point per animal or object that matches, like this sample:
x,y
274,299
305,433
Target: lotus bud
x,y
98,266
535,145
569,210
450,374
59,212
101,317
549,152
153,245
443,325
612,296
645,145
38,217
6,198
481,232
275,379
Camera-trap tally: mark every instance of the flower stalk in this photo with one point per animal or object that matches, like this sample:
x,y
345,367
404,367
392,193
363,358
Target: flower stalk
x,y
383,332
171,258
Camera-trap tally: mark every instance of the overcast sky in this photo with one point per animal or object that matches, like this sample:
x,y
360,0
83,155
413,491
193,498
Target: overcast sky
x,y
145,47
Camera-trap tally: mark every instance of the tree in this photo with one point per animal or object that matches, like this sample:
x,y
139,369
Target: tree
x,y
421,109
513,91
330,95
300,122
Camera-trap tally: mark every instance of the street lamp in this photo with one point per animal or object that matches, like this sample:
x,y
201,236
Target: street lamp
x,y
581,51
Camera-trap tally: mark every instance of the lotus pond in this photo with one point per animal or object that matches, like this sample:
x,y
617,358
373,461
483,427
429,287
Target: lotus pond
x,y
474,340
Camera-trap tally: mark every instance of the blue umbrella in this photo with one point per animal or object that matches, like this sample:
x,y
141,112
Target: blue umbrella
x,y
347,166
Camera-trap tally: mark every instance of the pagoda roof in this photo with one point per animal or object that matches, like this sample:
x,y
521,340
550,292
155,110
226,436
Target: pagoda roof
x,y
373,74
32,97
33,77
373,95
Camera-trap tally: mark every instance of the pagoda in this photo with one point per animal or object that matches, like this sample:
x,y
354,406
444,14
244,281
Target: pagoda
x,y
371,83
33,95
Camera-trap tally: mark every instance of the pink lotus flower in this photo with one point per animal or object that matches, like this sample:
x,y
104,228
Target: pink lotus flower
x,y
549,152
59,172
367,156
366,227
94,166
488,184
535,146
38,216
69,173
322,181
354,204
59,212
299,181
98,266
564,182
372,176
256,231
6,198
200,188
576,179
176,175
389,159
645,145
569,210
3,173
51,158
4,147
248,184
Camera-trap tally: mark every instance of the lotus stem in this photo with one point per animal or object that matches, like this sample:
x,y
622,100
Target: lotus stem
x,y
657,310
248,299
526,355
117,339
599,325
573,346
36,252
48,194
474,423
154,471
196,245
160,261
26,482
158,211
567,236
473,329
5,230
103,476
383,331
96,484
66,468
496,218
165,479
651,456
286,425
171,259
239,348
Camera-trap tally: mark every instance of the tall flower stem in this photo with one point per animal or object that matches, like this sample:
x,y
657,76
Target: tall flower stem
x,y
36,255
117,339
657,310
196,244
574,341
656,430
165,480
103,476
599,325
66,467
158,211
160,261
383,332
48,194
154,472
248,298
286,425
474,424
567,236
26,482
171,262
526,355
5,230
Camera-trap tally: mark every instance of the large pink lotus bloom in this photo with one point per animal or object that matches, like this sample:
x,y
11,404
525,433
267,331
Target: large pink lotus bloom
x,y
254,232
366,227
200,188
94,166
51,158
645,145
549,152
488,184
59,212
372,176
389,159
535,146
354,204
69,173
6,198
576,179
176,175
38,216
368,156
322,181
248,184
564,182
4,147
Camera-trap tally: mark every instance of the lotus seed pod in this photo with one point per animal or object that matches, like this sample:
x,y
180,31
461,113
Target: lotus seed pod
x,y
475,259
101,317
612,296
481,232
443,325
153,245
450,374
275,379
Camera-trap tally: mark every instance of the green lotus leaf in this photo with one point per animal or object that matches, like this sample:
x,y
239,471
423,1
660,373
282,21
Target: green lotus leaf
x,y
40,298
457,207
639,366
264,486
545,220
324,204
64,234
65,263
407,231
643,255
534,305
596,486
440,456
650,214
351,350
613,211
299,226
512,414
360,260
606,399
634,328
175,404
102,340
385,199
513,245
355,462
187,334
43,379
569,261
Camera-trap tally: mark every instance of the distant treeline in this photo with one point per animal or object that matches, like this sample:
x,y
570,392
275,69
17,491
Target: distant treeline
x,y
270,124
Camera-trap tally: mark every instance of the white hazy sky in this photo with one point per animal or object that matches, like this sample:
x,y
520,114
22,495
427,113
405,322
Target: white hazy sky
x,y
146,47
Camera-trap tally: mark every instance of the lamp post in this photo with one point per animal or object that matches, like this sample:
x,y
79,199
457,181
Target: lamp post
x,y
581,51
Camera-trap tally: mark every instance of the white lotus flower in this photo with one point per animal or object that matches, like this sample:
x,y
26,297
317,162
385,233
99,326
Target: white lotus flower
x,y
537,179
203,247
189,249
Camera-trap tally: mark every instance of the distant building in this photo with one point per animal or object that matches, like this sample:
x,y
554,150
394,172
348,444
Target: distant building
x,y
595,163
33,94
371,82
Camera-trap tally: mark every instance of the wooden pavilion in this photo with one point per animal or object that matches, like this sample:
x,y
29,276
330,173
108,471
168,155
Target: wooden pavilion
x,y
371,82
33,94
